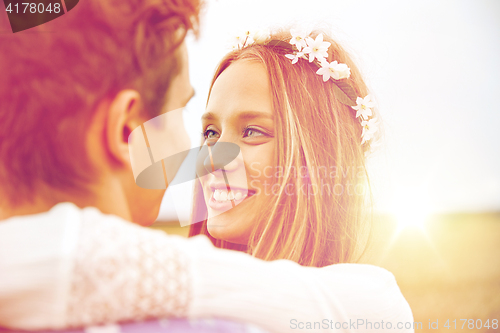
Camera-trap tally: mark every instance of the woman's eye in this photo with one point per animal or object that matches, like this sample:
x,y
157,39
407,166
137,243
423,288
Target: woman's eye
x,y
210,134
251,132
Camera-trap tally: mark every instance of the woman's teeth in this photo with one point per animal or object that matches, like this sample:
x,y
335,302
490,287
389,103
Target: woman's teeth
x,y
222,195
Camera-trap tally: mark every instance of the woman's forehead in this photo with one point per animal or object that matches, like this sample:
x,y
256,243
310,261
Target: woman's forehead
x,y
243,86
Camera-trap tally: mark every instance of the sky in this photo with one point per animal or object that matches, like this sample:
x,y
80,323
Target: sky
x,y
434,69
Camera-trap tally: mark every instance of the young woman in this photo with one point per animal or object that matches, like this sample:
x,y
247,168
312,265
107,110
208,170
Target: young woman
x,y
298,108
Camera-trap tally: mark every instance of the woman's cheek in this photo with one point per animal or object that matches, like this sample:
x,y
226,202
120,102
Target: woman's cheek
x,y
255,185
254,170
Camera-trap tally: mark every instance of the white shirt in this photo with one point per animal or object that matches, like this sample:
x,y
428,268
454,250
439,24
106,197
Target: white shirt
x,y
73,267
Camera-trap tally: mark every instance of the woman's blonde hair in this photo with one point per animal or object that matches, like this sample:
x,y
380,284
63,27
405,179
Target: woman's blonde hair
x,y
317,133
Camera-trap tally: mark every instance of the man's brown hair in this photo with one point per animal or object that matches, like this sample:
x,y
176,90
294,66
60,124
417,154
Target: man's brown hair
x,y
53,76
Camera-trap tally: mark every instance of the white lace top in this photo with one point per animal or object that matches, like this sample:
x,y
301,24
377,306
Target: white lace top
x,y
120,273
74,267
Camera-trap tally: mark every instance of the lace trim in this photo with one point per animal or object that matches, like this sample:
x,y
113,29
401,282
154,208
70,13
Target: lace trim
x,y
125,272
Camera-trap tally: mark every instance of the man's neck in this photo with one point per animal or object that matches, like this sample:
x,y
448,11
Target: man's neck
x,y
107,204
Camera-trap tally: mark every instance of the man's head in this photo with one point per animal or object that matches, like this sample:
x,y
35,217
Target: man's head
x,y
72,90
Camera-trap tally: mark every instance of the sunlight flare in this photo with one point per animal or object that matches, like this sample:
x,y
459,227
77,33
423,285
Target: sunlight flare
x,y
411,207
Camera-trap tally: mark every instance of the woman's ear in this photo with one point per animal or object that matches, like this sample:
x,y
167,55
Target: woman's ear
x,y
124,115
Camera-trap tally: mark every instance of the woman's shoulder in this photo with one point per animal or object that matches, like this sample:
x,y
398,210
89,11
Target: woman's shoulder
x,y
369,291
364,280
366,268
355,271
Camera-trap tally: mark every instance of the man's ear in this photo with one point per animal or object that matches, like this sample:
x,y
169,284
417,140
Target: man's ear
x,y
123,117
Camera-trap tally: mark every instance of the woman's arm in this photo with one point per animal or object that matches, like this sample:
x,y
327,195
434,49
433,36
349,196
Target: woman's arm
x,y
74,268
282,296
127,272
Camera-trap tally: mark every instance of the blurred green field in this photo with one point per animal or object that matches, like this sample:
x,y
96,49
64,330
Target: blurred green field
x,y
447,270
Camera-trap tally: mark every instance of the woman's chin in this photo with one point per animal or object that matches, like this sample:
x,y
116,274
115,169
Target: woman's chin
x,y
218,227
231,223
227,229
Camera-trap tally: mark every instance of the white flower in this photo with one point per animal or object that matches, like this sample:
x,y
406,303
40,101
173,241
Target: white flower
x,y
236,42
295,57
333,69
298,38
370,127
242,39
247,37
235,45
342,71
316,48
364,107
261,36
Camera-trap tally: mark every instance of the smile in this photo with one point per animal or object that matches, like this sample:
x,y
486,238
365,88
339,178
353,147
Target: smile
x,y
222,199
224,195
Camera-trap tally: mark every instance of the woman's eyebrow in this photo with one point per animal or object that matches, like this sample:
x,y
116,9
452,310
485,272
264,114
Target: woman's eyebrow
x,y
254,114
208,116
240,115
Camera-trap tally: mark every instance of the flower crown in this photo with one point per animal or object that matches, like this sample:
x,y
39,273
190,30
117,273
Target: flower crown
x,y
316,52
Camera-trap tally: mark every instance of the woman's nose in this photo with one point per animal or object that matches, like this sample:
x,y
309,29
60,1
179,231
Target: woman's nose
x,y
216,156
220,155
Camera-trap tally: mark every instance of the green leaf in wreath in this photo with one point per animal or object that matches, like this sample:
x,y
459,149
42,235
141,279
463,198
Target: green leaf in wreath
x,y
344,93
280,43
